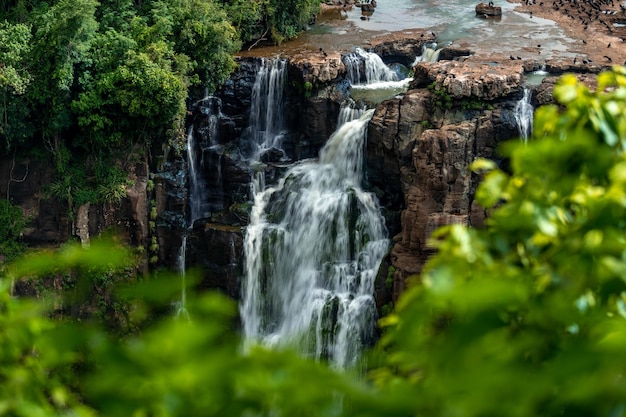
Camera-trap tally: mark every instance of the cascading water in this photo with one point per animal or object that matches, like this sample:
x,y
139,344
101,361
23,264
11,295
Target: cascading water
x,y
204,195
524,115
181,310
199,197
197,191
267,109
371,80
430,53
349,111
367,68
313,248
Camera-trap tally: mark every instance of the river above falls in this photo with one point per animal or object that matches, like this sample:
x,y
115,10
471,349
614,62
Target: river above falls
x,y
454,23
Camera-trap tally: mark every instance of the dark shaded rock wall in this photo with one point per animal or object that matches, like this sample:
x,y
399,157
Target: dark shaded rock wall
x,y
25,183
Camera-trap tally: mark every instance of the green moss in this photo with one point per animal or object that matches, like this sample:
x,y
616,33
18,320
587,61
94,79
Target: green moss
x,y
441,97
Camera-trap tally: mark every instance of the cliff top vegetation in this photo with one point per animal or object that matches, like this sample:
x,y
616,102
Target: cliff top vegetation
x,y
83,82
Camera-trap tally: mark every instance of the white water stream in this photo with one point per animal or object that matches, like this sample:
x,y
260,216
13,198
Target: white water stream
x,y
313,248
314,244
267,111
524,113
367,68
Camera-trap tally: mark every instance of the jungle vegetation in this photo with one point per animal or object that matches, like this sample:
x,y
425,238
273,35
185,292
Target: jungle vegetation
x,y
84,81
523,317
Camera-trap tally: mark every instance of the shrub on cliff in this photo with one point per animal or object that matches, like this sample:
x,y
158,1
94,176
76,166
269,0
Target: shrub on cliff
x,y
277,20
12,224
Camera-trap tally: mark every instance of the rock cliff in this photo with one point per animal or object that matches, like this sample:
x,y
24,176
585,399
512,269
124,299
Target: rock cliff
x,y
421,146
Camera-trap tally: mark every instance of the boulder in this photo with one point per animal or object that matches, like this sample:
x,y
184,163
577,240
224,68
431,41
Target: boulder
x,y
318,67
401,47
488,10
461,80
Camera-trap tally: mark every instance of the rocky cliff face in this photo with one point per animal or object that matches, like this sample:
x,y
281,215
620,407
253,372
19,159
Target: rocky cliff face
x,y
421,146
25,183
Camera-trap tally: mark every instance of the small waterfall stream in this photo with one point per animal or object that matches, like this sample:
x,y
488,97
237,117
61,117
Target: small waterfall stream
x,y
524,113
367,68
181,310
349,111
267,112
430,53
202,199
197,189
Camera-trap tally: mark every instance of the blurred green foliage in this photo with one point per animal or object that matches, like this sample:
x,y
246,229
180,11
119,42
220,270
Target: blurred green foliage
x,y
12,224
172,367
527,316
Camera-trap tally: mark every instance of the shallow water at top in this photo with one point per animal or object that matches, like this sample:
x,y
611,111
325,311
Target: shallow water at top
x,y
514,33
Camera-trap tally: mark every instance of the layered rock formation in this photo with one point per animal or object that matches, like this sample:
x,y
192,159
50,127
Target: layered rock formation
x,y
421,147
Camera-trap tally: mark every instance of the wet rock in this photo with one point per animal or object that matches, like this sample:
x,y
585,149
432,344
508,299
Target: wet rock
x,y
561,66
483,9
23,182
450,54
420,154
217,251
482,81
272,155
402,48
236,92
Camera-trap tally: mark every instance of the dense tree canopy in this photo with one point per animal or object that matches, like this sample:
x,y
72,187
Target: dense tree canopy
x,y
82,79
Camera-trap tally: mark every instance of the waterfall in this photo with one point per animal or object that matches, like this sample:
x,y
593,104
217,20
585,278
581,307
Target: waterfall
x,y
366,68
524,115
204,195
313,248
199,194
197,198
430,53
181,310
267,108
349,111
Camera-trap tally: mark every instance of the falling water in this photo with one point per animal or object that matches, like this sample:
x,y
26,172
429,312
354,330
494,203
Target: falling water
x,y
181,310
267,109
430,53
199,196
313,247
197,189
524,115
349,111
367,68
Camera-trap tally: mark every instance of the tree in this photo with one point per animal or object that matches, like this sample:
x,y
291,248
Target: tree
x,y
62,42
201,31
282,20
527,316
14,80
